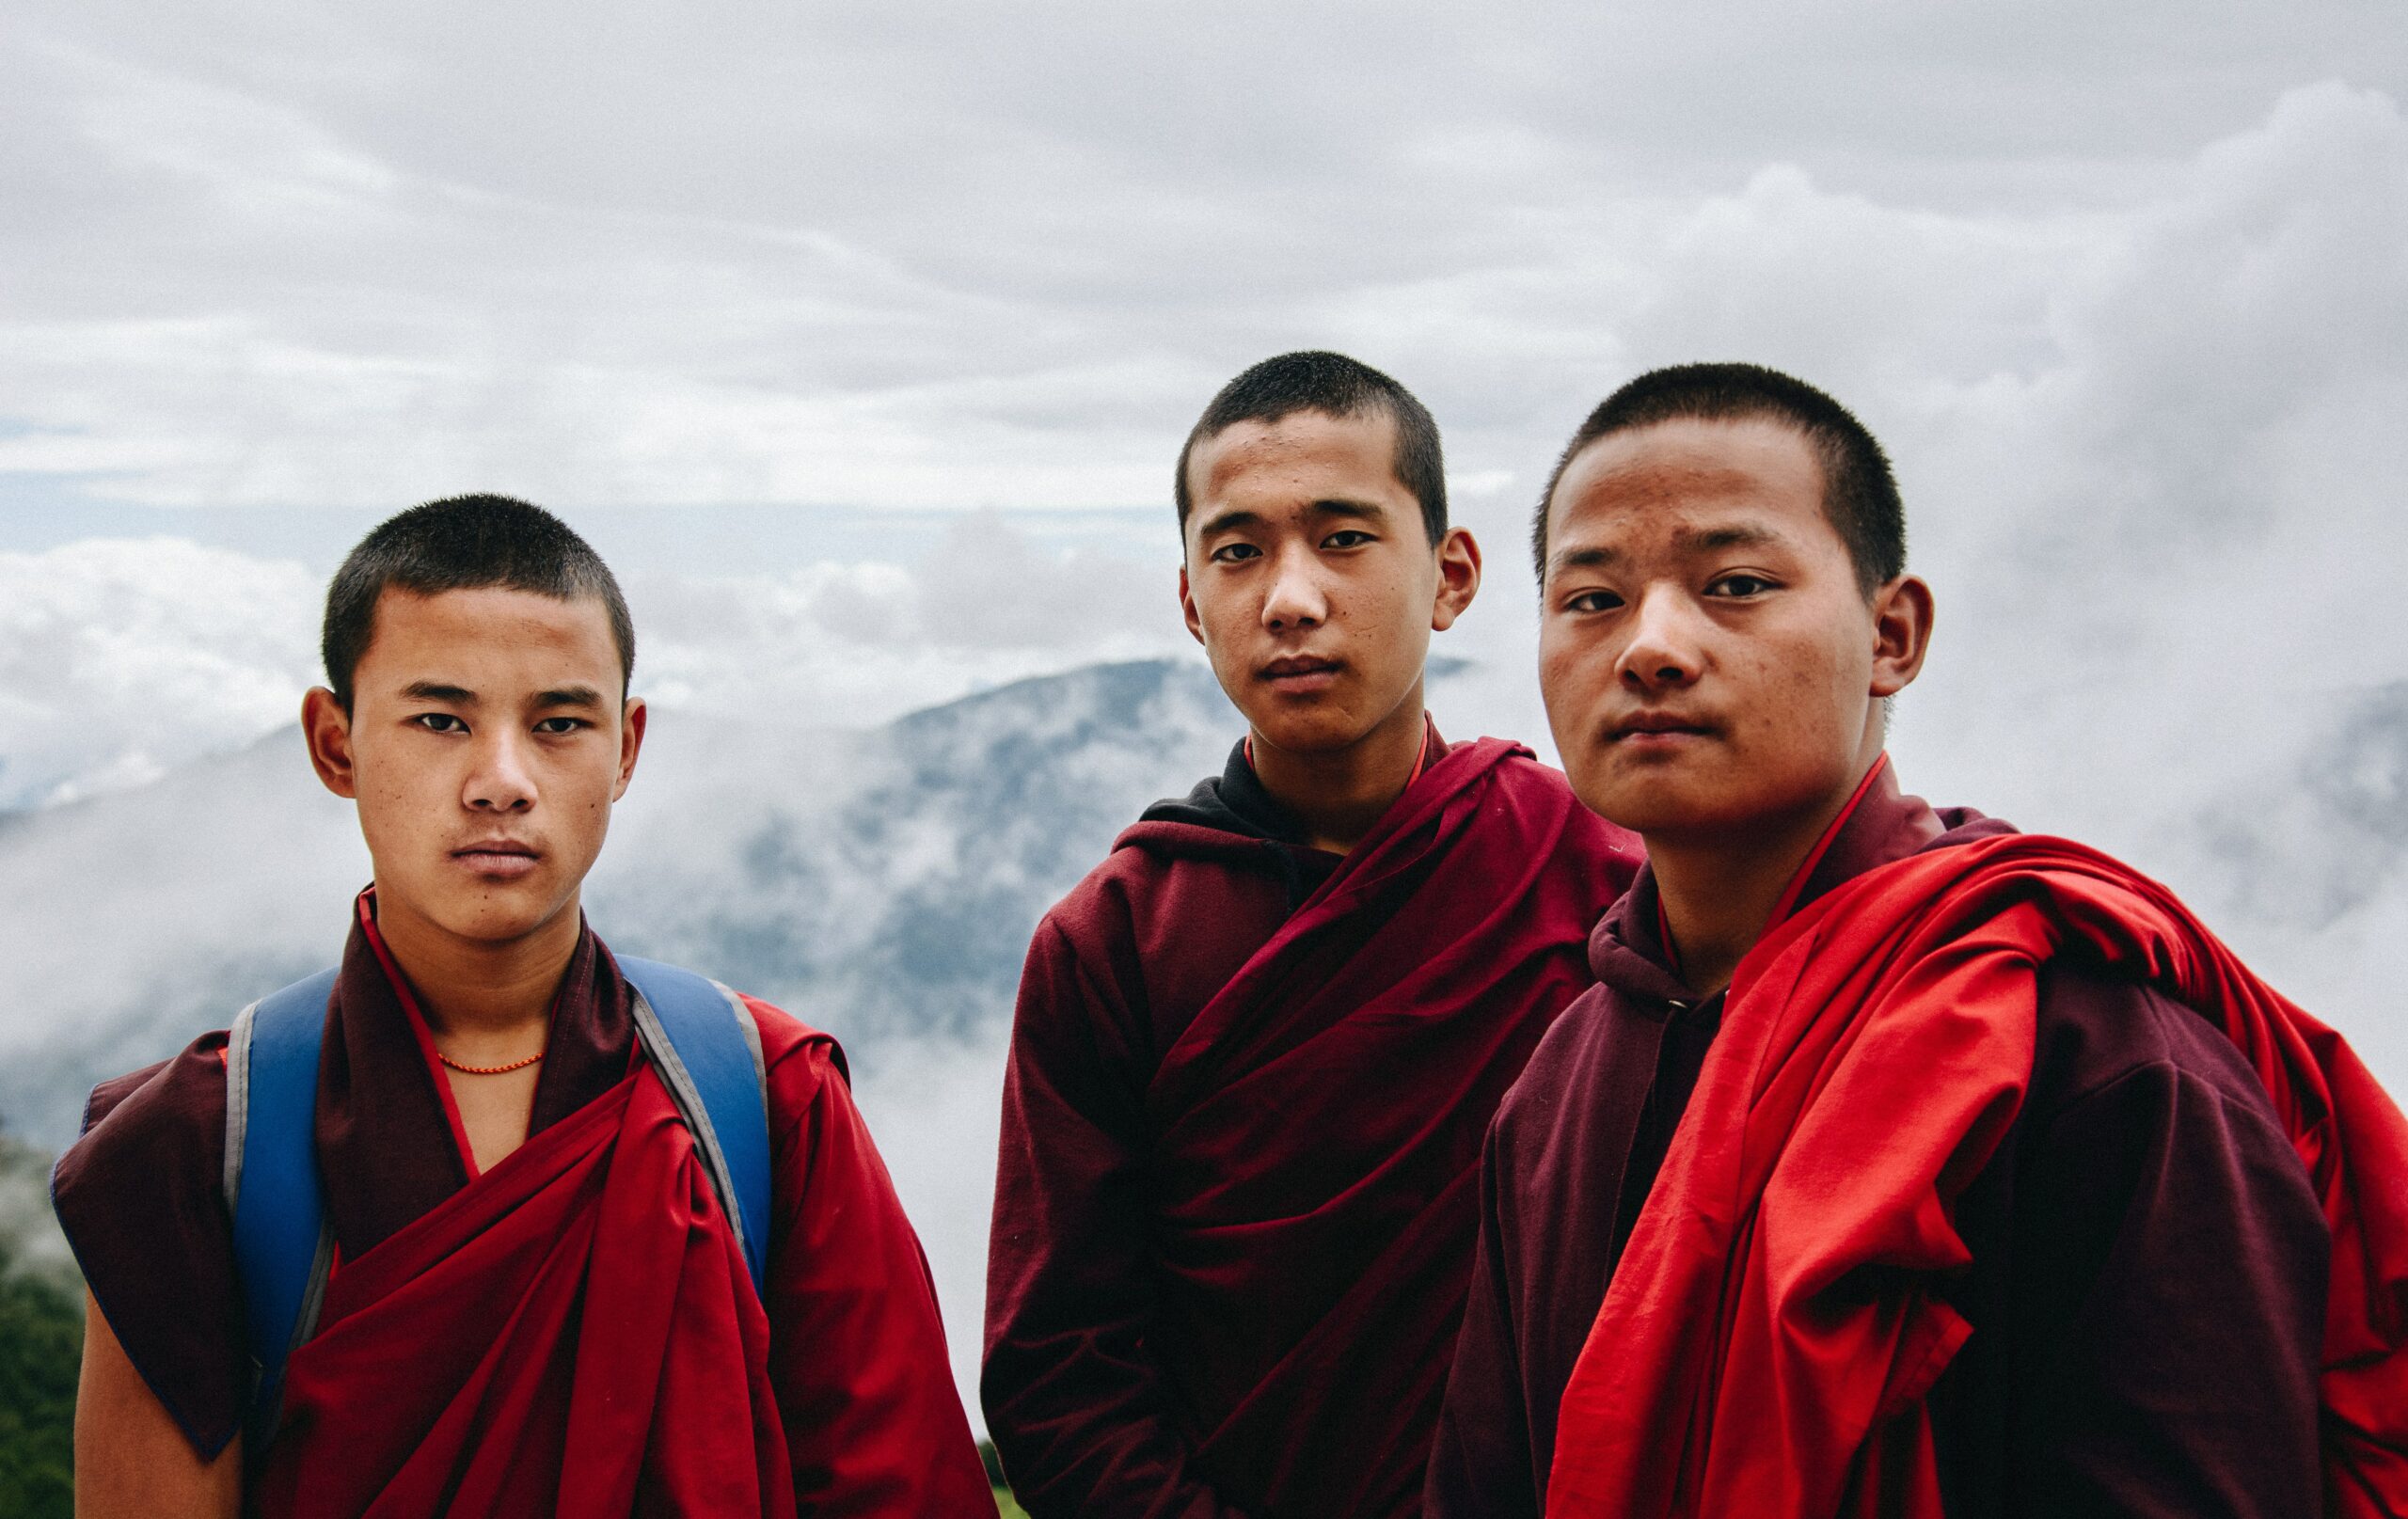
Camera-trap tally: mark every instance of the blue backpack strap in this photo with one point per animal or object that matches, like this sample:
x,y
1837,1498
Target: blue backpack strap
x,y
282,1249
704,1042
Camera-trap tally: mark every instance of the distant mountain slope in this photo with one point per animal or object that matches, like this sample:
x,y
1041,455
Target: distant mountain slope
x,y
887,885
882,885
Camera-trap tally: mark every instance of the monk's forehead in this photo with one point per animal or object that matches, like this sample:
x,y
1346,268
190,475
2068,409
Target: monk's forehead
x,y
486,625
1692,464
1302,442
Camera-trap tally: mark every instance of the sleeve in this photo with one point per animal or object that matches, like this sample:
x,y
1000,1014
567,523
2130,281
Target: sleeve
x,y
140,1197
1480,1464
857,1357
1077,1408
2172,1246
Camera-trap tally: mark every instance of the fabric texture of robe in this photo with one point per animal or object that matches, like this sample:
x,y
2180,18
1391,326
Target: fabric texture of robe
x,y
573,1331
2137,1282
1773,1320
1235,1203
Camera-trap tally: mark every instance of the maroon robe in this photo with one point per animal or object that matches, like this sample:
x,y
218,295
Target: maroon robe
x,y
1235,1204
844,1381
2148,1285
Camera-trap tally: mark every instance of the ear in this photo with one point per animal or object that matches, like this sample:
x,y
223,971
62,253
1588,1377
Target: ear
x,y
1458,577
1901,633
326,727
632,719
1187,607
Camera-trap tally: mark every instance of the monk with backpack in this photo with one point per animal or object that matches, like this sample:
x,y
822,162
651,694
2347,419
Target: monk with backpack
x,y
486,1220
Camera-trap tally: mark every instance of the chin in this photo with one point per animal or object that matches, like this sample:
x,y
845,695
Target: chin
x,y
500,918
1650,803
1308,731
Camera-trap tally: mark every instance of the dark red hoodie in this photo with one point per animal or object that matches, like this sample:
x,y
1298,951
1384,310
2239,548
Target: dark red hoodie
x,y
1234,1209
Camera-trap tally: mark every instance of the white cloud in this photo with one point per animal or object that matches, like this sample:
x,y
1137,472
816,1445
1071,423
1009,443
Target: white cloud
x,y
120,660
939,256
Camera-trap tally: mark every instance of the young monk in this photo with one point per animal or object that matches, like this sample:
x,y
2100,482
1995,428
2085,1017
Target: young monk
x,y
1899,1163
537,1303
1256,1048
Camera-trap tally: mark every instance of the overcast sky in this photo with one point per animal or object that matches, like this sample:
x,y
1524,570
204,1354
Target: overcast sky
x,y
951,257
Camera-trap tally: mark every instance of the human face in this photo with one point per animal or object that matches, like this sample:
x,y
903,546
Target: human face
x,y
1712,669
486,741
1311,580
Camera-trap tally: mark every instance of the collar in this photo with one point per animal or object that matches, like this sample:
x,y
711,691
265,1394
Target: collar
x,y
386,1124
1236,801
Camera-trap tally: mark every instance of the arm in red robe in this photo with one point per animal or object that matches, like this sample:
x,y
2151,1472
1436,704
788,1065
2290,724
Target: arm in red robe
x,y
874,1425
2147,1294
1071,1392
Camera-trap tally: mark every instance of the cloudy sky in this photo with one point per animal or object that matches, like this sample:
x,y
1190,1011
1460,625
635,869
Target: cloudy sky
x,y
862,342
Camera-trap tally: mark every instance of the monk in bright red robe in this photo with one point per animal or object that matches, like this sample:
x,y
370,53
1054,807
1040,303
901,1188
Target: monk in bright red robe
x,y
1256,1048
1899,1163
537,1304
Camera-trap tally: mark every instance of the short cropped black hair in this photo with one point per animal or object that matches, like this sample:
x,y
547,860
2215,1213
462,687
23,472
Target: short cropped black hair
x,y
1316,380
1859,494
465,543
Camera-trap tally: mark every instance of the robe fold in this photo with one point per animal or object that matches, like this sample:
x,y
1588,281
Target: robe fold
x,y
573,1331
1774,1330
1235,1203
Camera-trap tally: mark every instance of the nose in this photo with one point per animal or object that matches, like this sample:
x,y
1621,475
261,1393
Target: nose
x,y
1663,652
501,780
1296,598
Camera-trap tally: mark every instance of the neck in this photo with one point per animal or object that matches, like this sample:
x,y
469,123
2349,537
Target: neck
x,y
481,988
1338,794
1720,892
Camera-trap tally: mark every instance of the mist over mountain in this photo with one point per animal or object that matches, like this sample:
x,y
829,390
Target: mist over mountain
x,y
882,885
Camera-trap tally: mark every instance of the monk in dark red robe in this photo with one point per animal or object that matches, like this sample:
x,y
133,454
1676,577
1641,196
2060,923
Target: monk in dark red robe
x,y
467,1309
1899,1164
537,1304
1256,1048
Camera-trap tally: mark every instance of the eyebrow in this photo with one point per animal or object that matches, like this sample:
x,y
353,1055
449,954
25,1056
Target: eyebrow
x,y
1328,506
433,690
1686,541
1742,535
1581,559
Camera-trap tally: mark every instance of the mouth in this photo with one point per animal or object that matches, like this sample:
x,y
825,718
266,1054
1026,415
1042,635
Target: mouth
x,y
1300,673
1654,730
498,858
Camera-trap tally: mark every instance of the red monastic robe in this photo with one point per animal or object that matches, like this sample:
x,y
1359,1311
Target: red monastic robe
x,y
1767,1343
572,1332
1235,1210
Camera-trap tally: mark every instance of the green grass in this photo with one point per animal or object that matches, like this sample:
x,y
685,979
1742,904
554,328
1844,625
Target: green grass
x,y
42,1341
1003,1504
